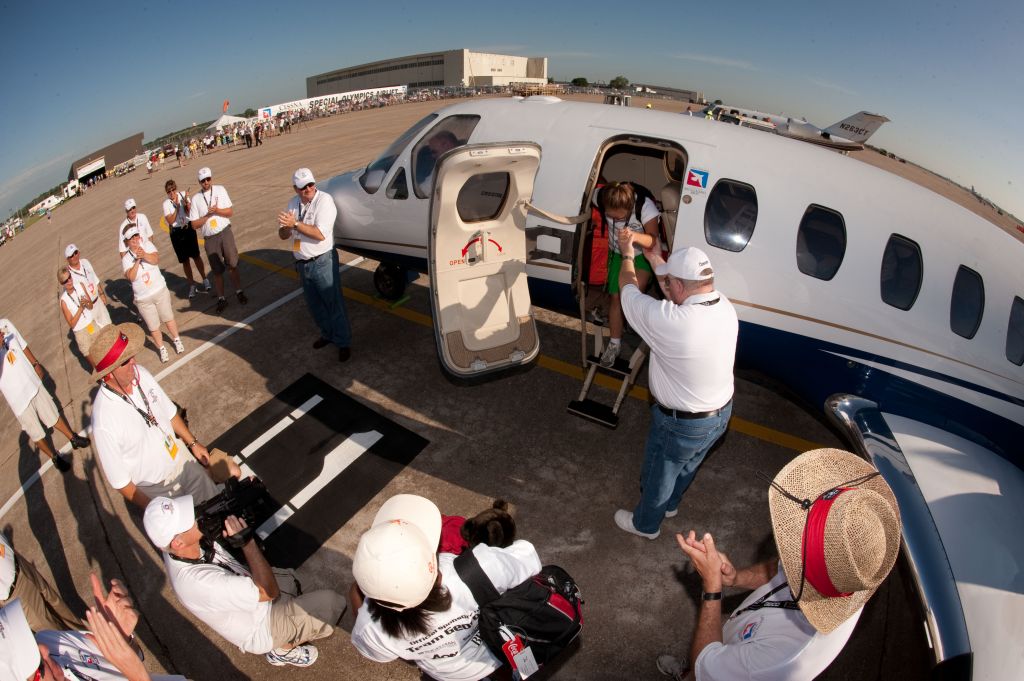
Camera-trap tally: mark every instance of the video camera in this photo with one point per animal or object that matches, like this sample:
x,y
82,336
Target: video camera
x,y
247,499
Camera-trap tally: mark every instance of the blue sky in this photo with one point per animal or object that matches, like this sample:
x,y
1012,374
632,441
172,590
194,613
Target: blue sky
x,y
948,74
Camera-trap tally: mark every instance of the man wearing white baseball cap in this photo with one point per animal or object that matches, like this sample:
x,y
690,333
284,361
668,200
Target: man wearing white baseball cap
x,y
133,218
692,337
242,603
411,602
210,212
837,530
308,223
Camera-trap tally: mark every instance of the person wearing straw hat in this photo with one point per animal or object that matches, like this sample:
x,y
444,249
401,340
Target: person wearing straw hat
x,y
107,651
837,530
21,383
411,602
88,282
243,603
308,222
145,448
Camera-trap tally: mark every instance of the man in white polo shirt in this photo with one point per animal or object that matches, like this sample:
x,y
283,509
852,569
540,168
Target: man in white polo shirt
x,y
692,336
308,224
242,603
21,382
210,213
145,448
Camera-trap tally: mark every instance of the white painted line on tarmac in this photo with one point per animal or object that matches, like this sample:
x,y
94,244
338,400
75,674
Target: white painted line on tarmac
x,y
340,458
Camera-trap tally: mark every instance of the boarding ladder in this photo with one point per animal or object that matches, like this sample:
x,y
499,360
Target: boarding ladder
x,y
623,371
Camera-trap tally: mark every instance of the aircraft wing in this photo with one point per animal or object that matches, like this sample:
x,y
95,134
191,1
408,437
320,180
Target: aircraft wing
x,y
960,506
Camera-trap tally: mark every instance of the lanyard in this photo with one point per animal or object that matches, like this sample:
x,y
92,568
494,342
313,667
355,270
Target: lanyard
x,y
763,602
304,213
147,415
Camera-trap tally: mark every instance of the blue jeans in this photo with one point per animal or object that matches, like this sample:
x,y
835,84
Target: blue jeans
x,y
675,449
321,282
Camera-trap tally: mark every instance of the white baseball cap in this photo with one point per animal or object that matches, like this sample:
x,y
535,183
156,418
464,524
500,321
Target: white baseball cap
x,y
302,177
166,518
689,263
129,204
19,655
204,173
70,250
129,232
396,560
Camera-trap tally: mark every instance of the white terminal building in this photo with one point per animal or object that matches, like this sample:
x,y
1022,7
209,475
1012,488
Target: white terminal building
x,y
433,69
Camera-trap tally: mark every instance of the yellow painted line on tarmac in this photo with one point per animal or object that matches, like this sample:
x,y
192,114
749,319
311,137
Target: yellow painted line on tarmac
x,y
738,424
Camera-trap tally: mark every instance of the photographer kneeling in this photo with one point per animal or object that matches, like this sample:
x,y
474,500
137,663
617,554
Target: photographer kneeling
x,y
242,603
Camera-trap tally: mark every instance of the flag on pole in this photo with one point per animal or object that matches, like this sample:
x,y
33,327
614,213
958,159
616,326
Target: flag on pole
x,y
226,102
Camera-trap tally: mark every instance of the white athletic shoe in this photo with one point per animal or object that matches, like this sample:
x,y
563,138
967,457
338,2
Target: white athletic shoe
x,y
206,285
610,354
624,520
672,514
671,666
299,656
192,291
164,357
180,348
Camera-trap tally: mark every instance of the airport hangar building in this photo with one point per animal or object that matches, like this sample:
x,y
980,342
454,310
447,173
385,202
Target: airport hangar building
x,y
452,68
106,159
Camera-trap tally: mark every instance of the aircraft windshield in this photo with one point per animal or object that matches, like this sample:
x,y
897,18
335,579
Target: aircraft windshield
x,y
378,169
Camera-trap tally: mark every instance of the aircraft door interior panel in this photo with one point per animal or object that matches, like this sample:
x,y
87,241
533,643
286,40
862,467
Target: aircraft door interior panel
x,y
477,258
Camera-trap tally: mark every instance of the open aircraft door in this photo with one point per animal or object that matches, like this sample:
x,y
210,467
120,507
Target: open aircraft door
x,y
483,321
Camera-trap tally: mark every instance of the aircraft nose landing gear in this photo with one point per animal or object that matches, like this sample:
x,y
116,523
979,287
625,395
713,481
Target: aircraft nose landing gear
x,y
390,280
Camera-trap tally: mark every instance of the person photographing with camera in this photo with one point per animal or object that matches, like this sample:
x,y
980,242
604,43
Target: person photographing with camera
x,y
244,603
183,238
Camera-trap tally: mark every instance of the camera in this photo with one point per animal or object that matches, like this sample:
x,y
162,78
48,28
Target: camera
x,y
246,499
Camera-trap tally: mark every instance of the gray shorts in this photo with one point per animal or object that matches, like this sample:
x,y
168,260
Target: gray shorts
x,y
221,250
299,619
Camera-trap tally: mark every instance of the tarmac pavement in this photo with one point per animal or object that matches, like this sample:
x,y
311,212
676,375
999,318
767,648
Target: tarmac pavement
x,y
509,438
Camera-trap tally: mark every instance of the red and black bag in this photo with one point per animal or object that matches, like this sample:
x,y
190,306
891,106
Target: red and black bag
x,y
545,612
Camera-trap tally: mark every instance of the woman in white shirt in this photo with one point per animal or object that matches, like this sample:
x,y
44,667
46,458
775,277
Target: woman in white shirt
x,y
76,305
141,265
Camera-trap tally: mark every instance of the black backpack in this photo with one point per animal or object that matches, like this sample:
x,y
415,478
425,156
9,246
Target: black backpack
x,y
545,611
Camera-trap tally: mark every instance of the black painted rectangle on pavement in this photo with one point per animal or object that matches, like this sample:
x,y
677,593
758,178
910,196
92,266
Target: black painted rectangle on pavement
x,y
295,457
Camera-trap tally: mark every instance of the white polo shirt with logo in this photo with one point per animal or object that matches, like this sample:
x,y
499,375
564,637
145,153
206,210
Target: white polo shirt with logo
x,y
201,202
86,276
321,212
18,381
149,280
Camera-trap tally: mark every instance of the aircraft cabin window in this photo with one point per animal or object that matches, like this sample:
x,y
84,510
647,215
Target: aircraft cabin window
x,y
399,188
820,242
730,215
451,132
1015,333
482,197
902,271
967,303
378,169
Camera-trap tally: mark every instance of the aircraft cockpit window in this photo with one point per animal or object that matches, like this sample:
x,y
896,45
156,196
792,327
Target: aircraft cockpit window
x,y
399,187
902,271
730,215
451,132
967,303
1015,333
820,242
482,197
374,175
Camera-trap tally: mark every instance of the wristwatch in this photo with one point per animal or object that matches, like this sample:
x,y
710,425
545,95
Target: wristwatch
x,y
628,257
711,595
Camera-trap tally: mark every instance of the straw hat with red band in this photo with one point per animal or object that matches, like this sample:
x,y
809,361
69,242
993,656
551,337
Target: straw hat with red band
x,y
113,345
837,528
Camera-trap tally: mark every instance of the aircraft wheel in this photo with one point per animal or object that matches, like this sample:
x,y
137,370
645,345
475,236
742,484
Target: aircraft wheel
x,y
390,280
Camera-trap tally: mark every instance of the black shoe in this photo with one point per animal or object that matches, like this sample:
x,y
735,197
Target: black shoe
x,y
60,463
320,343
221,305
79,441
242,298
344,354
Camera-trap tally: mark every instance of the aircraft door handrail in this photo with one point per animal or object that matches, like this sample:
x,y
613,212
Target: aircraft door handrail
x,y
528,207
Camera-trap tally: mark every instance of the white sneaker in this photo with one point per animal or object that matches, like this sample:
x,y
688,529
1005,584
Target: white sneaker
x,y
164,357
180,348
192,291
206,285
299,656
610,354
672,514
624,519
671,666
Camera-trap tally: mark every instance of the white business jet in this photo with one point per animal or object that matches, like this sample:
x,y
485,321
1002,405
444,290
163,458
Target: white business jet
x,y
897,312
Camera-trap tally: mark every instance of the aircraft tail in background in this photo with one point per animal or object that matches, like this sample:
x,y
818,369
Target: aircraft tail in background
x,y
858,127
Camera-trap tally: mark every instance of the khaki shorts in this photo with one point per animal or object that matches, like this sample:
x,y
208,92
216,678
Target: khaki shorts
x,y
296,620
221,251
191,478
84,338
155,309
40,414
100,314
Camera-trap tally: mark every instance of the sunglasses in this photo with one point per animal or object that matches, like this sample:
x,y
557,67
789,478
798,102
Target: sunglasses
x,y
65,281
311,184
206,179
73,254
